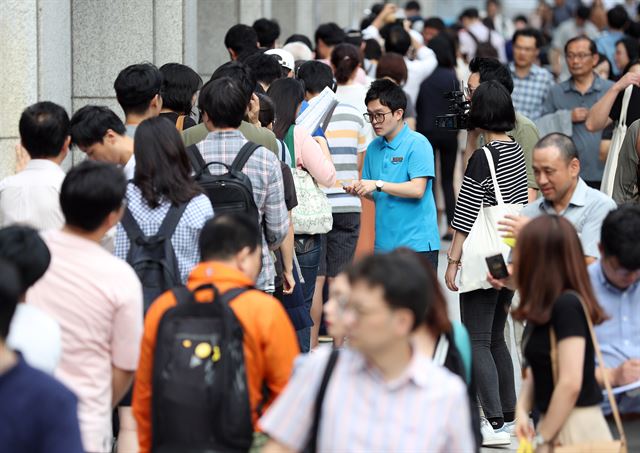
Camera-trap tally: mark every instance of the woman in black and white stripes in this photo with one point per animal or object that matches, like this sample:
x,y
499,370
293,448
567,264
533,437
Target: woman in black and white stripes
x,y
484,311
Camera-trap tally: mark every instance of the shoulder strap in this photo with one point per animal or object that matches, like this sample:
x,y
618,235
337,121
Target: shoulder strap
x,y
289,140
231,294
243,156
195,158
180,123
170,222
463,344
183,295
492,169
473,36
626,97
442,349
596,347
130,226
317,409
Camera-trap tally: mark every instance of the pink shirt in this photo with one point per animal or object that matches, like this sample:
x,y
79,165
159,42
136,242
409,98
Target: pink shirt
x,y
97,300
310,156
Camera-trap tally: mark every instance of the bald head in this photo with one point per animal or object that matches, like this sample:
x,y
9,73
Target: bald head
x,y
562,142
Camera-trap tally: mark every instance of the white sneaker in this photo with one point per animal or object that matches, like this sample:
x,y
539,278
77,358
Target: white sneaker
x,y
491,437
508,427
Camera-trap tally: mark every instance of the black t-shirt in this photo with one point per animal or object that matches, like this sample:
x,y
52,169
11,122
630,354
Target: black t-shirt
x,y
173,117
568,320
633,112
291,201
432,102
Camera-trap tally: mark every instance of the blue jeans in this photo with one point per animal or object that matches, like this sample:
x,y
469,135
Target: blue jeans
x,y
308,249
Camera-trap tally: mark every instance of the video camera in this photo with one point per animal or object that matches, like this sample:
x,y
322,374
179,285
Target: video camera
x,y
458,116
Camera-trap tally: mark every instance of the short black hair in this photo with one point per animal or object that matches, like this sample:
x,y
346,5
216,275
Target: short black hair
x,y
267,31
22,246
9,295
226,235
435,23
224,102
265,68
619,235
492,108
583,12
44,127
136,86
397,40
470,13
388,93
242,39
300,38
562,142
90,192
617,17
412,5
529,33
353,37
267,112
90,124
492,69
239,72
330,33
592,44
372,49
444,48
521,18
316,76
179,84
402,279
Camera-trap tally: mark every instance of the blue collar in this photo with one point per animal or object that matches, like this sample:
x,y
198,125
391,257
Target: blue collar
x,y
397,140
568,85
579,197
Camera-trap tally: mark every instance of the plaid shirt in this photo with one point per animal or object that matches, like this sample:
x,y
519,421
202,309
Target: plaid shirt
x,y
263,169
530,92
185,237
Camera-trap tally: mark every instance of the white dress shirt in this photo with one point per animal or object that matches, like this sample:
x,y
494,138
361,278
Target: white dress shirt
x,y
32,197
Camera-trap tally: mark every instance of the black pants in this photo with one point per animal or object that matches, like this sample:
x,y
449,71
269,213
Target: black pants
x,y
447,146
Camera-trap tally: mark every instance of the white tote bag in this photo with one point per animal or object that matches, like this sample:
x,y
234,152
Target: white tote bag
x,y
484,239
313,213
610,167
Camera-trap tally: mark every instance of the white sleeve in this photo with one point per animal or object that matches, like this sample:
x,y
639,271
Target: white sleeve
x,y
371,32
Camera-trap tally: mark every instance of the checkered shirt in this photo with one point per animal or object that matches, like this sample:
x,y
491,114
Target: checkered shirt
x,y
530,92
185,237
264,171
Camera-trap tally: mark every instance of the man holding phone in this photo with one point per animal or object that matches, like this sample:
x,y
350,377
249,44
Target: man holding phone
x,y
398,176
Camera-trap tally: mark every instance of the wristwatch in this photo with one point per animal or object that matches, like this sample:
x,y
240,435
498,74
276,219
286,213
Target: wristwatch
x,y
538,441
379,185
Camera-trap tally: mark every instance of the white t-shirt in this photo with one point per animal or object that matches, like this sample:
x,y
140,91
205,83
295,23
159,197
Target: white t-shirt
x,y
37,336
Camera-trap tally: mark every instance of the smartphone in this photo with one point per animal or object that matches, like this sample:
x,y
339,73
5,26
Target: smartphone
x,y
497,267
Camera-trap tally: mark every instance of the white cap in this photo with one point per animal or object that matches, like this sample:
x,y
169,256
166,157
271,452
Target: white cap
x,y
285,58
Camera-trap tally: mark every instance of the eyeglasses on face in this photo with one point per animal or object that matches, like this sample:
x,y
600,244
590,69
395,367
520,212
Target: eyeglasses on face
x,y
578,56
375,117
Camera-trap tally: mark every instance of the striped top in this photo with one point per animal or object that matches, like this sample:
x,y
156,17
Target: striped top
x,y
477,189
426,409
347,135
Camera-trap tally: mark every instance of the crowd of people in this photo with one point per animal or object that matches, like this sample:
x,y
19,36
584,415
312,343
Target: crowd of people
x,y
171,291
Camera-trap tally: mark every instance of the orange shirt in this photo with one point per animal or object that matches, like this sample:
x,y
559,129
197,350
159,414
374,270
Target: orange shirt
x,y
270,344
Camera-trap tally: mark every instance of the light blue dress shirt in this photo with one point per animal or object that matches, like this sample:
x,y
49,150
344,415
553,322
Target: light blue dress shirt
x,y
586,211
619,336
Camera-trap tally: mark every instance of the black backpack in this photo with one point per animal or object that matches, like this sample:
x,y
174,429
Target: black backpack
x,y
229,192
200,397
484,49
153,257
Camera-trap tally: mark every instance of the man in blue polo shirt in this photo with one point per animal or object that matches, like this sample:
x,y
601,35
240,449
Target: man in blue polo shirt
x,y
398,176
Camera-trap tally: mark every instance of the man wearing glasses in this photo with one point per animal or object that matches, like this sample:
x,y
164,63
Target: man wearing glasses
x,y
578,94
398,176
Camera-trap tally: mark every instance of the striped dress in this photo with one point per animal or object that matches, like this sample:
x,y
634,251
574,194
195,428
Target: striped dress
x,y
477,189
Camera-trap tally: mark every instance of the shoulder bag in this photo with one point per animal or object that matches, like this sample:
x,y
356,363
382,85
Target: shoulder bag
x,y
610,167
484,239
590,421
313,214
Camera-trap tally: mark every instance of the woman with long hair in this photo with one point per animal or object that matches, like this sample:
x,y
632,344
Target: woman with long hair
x,y
311,154
162,179
484,311
555,299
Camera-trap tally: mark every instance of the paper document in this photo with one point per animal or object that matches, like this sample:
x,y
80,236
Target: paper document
x,y
633,389
319,111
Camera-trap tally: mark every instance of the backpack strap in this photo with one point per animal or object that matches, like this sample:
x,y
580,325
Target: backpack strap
x,y
183,295
170,222
130,226
463,344
195,158
243,156
231,294
289,140
317,410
